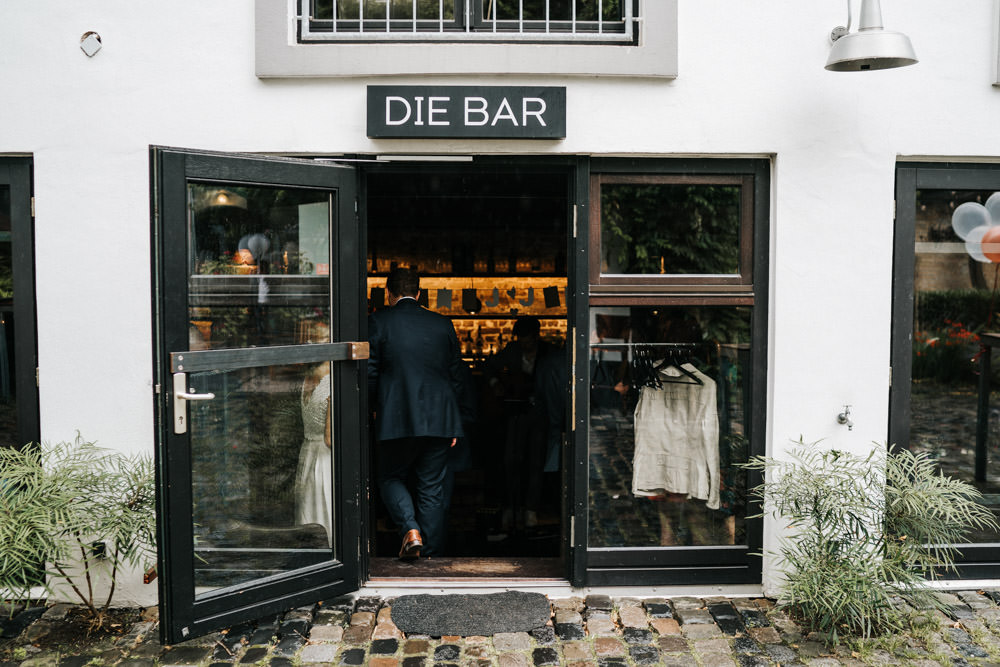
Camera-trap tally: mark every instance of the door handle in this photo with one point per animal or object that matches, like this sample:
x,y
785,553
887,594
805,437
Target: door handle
x,y
181,394
195,397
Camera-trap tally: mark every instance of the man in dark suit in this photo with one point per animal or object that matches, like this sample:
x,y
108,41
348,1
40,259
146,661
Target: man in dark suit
x,y
414,381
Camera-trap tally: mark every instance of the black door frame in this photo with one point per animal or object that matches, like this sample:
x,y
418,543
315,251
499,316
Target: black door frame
x,y
16,173
182,615
976,561
576,171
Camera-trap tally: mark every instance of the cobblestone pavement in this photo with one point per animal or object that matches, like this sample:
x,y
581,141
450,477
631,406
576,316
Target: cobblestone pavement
x,y
596,630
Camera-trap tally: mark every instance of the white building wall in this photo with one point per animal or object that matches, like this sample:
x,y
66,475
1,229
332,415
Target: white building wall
x,y
751,82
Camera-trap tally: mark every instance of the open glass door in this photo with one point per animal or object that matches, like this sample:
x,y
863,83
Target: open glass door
x,y
258,375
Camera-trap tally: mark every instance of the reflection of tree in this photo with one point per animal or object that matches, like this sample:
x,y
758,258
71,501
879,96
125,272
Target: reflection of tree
x,y
248,326
6,277
375,9
678,229
227,264
559,10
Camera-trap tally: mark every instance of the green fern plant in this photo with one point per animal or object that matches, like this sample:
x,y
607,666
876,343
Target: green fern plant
x,y
71,513
863,531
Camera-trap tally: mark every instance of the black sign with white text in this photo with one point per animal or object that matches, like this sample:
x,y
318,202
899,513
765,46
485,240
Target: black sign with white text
x,y
478,112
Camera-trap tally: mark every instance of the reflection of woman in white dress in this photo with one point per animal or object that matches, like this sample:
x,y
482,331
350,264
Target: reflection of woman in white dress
x,y
314,480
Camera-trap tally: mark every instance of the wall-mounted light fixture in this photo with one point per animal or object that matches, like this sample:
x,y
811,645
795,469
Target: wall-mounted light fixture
x,y
871,47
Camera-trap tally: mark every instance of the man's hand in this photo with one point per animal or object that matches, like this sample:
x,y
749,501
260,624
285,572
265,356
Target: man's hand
x,y
454,441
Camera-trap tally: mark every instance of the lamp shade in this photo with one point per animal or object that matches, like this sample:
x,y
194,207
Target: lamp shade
x,y
871,47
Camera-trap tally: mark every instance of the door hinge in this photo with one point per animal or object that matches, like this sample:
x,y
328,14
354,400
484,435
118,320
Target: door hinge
x,y
156,388
890,376
36,376
32,207
575,209
572,530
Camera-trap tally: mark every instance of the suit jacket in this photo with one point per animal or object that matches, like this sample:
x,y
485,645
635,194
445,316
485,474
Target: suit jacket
x,y
414,373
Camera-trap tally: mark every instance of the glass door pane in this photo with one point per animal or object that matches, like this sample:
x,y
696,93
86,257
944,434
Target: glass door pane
x,y
259,261
670,406
8,392
262,472
954,392
18,356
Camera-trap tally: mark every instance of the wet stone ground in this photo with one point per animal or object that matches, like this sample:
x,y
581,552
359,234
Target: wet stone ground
x,y
596,630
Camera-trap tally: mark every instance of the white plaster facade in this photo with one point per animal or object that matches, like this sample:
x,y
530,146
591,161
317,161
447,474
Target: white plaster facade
x,y
750,82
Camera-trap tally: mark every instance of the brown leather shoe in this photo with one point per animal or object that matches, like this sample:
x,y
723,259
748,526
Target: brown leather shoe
x,y
411,545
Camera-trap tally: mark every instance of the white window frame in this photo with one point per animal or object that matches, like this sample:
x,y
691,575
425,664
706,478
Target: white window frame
x,y
280,53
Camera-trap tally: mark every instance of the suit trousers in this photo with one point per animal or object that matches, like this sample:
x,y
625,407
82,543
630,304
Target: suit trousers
x,y
427,459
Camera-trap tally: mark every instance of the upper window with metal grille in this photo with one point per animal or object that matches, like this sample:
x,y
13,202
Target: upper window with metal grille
x,y
602,21
549,38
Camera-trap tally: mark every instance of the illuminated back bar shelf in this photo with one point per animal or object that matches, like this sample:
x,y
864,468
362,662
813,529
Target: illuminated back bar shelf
x,y
485,308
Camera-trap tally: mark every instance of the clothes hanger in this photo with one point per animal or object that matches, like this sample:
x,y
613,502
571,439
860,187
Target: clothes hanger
x,y
672,359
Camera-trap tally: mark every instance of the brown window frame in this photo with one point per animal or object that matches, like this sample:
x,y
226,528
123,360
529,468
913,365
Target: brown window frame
x,y
689,282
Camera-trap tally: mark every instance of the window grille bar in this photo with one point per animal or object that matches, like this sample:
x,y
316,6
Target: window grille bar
x,y
466,21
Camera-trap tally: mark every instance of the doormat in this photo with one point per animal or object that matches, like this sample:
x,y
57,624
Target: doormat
x,y
470,615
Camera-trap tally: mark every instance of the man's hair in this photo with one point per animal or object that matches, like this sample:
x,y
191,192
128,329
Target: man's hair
x,y
527,325
403,281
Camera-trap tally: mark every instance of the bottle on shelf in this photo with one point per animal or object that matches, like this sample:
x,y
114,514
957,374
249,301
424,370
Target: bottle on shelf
x,y
467,344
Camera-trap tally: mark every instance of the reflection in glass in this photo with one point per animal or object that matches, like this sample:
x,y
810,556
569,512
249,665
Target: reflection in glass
x,y
8,402
262,472
553,10
669,228
376,9
669,418
259,264
955,304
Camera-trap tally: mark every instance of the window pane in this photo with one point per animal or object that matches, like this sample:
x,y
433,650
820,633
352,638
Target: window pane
x,y
669,424
262,456
558,10
8,402
670,228
375,9
955,303
260,264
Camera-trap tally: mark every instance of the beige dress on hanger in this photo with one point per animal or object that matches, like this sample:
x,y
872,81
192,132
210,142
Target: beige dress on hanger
x,y
314,478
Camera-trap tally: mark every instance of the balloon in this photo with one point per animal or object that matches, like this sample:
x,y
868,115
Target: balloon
x,y
968,216
991,244
993,206
973,243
